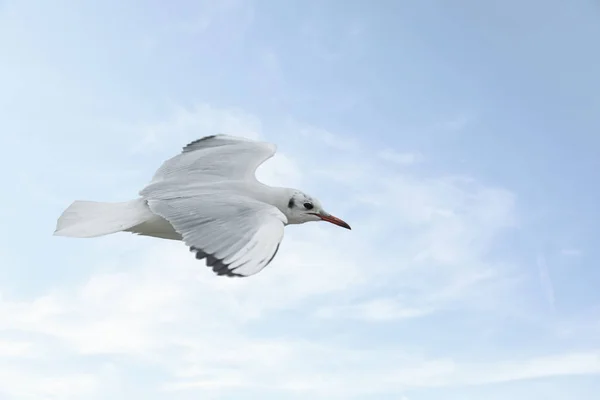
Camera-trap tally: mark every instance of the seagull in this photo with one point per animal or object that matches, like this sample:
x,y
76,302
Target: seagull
x,y
208,197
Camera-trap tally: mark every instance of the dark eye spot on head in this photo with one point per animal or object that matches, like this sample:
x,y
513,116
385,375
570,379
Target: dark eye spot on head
x,y
308,206
291,203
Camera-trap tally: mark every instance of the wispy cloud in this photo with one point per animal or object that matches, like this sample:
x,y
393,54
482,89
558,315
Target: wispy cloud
x,y
384,309
401,158
571,252
188,123
201,16
15,348
546,279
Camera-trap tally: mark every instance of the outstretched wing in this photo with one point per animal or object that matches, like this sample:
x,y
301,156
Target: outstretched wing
x,y
216,158
202,193
237,235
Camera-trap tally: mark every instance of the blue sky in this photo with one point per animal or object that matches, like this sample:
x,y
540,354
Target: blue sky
x,y
460,142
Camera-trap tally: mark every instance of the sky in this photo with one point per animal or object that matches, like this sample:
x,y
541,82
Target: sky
x,y
460,140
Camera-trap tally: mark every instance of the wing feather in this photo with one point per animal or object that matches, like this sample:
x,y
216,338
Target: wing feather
x,y
238,236
215,158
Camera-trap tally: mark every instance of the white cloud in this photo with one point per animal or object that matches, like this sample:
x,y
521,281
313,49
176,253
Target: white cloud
x,y
15,348
27,384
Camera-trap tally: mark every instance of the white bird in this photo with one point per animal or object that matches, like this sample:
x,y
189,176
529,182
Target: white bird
x,y
208,197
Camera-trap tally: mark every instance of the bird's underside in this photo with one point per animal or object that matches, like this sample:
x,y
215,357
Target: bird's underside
x,y
159,227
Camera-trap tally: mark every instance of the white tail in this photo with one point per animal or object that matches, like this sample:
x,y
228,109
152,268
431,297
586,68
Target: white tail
x,y
85,219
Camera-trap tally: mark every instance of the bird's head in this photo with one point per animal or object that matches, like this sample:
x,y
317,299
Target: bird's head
x,y
303,208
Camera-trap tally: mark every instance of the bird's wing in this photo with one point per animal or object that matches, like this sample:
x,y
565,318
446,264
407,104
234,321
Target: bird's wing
x,y
237,235
217,158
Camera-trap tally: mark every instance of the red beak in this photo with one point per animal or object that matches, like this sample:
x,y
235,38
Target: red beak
x,y
333,220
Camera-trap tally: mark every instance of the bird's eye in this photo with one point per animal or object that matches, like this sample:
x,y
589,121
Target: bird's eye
x,y
308,206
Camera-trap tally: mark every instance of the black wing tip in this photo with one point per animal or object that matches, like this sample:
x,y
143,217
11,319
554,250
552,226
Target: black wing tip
x,y
274,254
222,269
188,147
218,266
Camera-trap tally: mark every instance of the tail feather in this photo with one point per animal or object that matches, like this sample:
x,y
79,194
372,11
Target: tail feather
x,y
86,219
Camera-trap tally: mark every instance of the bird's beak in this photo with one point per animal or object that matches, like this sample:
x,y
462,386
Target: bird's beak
x,y
334,220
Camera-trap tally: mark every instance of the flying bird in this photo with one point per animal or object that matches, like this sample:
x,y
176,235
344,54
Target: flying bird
x,y
208,197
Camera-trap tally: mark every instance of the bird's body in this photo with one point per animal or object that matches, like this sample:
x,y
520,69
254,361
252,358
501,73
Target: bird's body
x,y
209,198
